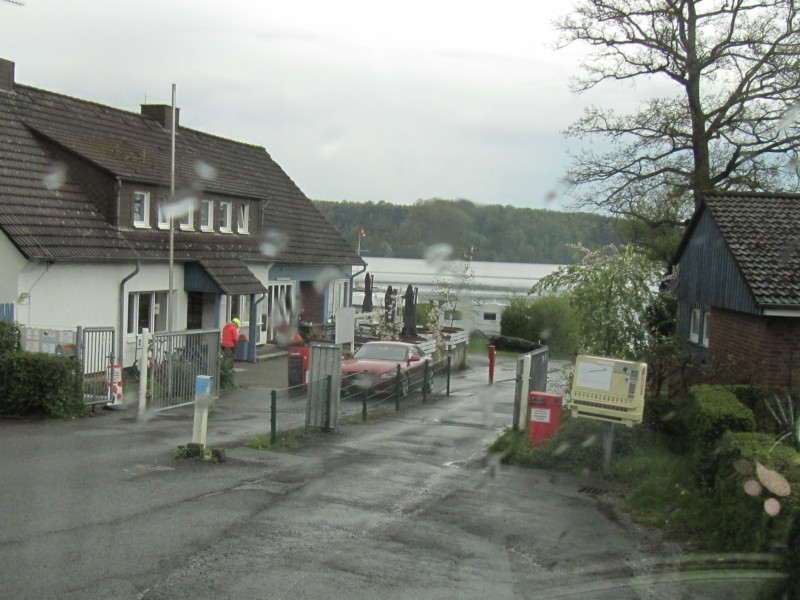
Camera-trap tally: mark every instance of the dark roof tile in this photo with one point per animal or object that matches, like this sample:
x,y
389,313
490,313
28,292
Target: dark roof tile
x,y
763,233
63,223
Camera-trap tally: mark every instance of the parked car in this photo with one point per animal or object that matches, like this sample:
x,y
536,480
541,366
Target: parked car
x,y
374,366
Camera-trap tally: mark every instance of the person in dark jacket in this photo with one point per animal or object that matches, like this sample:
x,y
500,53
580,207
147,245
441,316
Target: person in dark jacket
x,y
230,335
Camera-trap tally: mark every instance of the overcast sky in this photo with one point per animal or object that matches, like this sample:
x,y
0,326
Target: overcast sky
x,y
356,100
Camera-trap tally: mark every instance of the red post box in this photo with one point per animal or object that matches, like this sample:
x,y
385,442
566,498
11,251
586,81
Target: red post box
x,y
544,416
298,364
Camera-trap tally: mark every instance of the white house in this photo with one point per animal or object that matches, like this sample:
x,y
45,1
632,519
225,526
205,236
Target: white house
x,y
85,200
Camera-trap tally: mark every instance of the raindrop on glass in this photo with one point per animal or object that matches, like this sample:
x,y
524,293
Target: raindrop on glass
x,y
438,255
56,176
325,278
772,507
752,488
273,243
205,171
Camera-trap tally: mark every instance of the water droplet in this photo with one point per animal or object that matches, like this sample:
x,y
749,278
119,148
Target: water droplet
x,y
56,176
325,278
752,488
438,256
205,171
790,116
563,447
772,507
182,206
273,243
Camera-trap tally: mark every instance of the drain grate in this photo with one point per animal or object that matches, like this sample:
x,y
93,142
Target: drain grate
x,y
593,491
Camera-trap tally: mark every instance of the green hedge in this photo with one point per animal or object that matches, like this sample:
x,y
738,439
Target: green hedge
x,y
38,384
738,521
9,337
711,412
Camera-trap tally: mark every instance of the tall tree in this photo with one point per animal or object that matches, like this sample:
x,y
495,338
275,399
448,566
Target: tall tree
x,y
730,123
610,289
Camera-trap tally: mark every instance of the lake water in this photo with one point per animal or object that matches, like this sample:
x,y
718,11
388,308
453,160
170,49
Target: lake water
x,y
494,281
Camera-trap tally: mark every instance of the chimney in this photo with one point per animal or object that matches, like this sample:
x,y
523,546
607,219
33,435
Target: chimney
x,y
161,114
6,75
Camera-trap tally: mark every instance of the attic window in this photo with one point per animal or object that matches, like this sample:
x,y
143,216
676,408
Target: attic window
x,y
163,212
141,209
207,215
225,217
243,219
187,221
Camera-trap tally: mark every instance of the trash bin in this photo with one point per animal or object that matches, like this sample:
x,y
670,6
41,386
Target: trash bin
x,y
242,346
298,358
544,416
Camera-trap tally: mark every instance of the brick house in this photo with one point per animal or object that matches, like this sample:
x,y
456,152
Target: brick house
x,y
85,224
738,284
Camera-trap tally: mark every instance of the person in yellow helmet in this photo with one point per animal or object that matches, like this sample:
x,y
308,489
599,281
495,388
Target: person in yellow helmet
x,y
230,335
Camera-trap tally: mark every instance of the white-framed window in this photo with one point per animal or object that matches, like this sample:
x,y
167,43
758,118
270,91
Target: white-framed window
x,y
207,215
338,295
706,325
147,309
187,220
140,209
163,212
243,218
225,216
694,326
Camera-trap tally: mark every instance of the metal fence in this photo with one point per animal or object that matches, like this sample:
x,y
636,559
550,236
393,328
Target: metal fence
x,y
531,376
175,359
289,406
99,369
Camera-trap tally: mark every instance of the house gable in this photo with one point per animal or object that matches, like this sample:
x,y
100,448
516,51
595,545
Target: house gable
x,y
708,274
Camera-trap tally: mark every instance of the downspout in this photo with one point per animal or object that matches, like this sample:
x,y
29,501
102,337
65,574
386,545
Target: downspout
x,y
352,277
251,345
121,343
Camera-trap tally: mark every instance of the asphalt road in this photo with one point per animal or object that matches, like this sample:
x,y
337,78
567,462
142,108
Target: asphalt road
x,y
403,506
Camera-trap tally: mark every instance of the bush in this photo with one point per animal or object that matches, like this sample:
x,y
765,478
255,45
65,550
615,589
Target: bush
x,y
577,446
38,384
9,337
738,521
711,412
550,320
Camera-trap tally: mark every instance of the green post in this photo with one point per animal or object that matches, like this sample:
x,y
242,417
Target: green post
x,y
364,405
273,417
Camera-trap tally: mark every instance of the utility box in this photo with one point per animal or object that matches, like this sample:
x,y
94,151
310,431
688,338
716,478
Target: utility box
x,y
608,389
298,361
544,416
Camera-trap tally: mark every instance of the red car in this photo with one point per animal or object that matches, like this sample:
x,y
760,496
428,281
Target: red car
x,y
374,366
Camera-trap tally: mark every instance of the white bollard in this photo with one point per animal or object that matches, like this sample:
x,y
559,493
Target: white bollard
x,y
202,400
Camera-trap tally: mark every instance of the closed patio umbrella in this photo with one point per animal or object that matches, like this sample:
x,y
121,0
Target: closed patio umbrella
x,y
409,314
367,305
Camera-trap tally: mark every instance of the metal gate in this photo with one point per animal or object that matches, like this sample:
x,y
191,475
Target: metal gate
x,y
96,354
175,359
324,380
531,376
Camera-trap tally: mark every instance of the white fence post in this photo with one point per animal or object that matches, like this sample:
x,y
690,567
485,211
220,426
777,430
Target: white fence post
x,y
143,371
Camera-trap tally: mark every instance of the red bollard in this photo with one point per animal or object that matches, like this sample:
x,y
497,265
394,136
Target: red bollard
x,y
491,364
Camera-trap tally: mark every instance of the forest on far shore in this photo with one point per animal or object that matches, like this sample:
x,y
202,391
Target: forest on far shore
x,y
495,233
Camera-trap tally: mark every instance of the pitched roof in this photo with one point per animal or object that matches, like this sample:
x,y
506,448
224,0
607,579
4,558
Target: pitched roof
x,y
762,232
49,217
